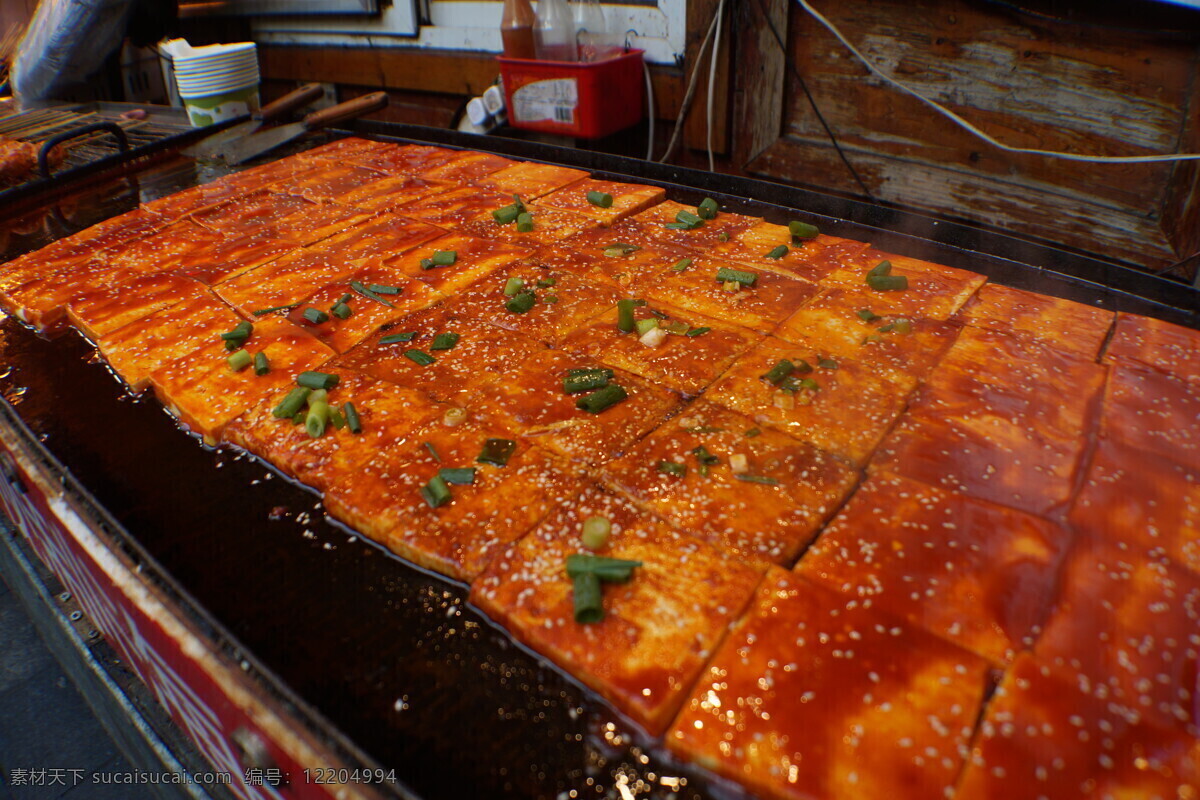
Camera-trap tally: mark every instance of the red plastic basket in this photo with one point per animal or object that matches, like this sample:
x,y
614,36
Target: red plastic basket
x,y
587,99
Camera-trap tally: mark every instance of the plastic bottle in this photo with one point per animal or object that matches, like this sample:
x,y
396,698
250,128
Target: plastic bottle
x,y
591,32
516,29
554,32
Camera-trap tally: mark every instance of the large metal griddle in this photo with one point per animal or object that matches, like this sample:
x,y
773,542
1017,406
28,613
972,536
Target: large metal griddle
x,y
387,664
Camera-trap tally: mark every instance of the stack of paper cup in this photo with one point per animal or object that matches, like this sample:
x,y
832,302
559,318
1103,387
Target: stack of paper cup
x,y
216,82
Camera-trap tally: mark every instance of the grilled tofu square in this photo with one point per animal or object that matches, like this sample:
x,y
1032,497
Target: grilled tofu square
x,y
1153,411
810,259
1134,498
349,148
136,350
549,226
230,256
453,208
531,398
688,358
266,175
563,301
1052,321
204,393
42,302
165,250
653,222
319,222
384,236
405,159
103,309
459,374
329,181
1043,736
226,189
286,280
1171,348
842,407
627,199
366,314
460,537
621,256
529,180
902,349
562,256
392,193
1146,611
979,575
658,628
813,695
388,414
467,166
933,291
252,214
473,259
756,494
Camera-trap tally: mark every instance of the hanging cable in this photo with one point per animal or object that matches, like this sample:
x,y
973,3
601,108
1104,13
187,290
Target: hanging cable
x,y
650,101
690,93
712,81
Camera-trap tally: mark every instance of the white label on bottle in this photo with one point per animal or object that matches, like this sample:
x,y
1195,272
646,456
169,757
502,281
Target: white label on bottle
x,y
546,100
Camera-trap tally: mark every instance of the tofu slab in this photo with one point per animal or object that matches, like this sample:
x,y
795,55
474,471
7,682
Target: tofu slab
x,y
452,208
473,259
467,166
549,226
346,148
42,302
530,180
934,291
1153,411
392,192
103,309
627,199
286,280
621,256
1052,321
253,213
329,181
389,415
793,488
1162,345
231,256
979,575
811,260
460,538
703,239
813,695
385,236
847,415
405,159
658,629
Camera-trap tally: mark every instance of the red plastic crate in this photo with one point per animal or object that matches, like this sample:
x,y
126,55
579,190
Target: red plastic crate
x,y
587,99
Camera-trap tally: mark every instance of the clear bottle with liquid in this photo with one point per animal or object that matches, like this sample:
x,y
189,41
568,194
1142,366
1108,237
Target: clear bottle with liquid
x,y
516,29
591,31
554,32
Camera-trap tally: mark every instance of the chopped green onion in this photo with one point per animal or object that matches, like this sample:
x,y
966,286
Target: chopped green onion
x,y
524,222
546,283
341,311
396,338
585,380
827,363
291,404
353,420
874,337
318,396
588,604
261,365
595,532
689,220
521,303
432,451
745,278
708,208
365,292
298,417
444,341
888,328
778,252
610,570
454,416
882,268
779,372
867,315
427,263
602,199
419,357
445,258
504,216
240,360
694,332
904,325
260,312
460,476
677,327
810,384
315,421
315,315
704,457
602,399
234,344
763,479
497,452
617,249
513,286
378,288
802,230
645,325
722,237
682,265
625,321
336,419
317,380
550,298
887,283
347,297
518,202
678,226
673,468
802,366
240,333
733,287
436,492
750,434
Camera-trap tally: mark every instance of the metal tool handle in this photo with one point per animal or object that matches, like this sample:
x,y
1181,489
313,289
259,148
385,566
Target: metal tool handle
x,y
54,141
347,110
290,102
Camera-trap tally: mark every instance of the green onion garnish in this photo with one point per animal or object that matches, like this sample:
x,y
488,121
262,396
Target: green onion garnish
x,y
521,303
316,419
722,237
827,363
887,283
315,315
688,220
904,325
353,421
682,265
693,332
708,208
763,479
318,396
444,341
588,604
644,326
298,417
497,452
512,286
397,337
292,404
888,328
625,321
673,468
336,419
750,434
379,288
445,258
617,249
802,230
675,326
609,570
419,357
240,360
432,451
745,278
550,298
882,268
317,380
779,372
810,384
436,492
602,199
518,202
427,263
585,380
341,311
524,222
595,532
504,216
546,283
704,457
778,252
260,312
867,315
460,476
261,365
240,333
602,399
365,292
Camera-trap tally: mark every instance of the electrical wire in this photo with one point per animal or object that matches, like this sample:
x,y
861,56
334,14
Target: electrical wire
x,y
690,93
976,131
650,101
712,81
813,103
